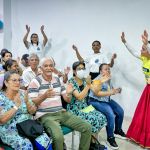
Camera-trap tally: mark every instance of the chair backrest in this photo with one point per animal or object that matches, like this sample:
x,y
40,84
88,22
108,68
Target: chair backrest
x,y
66,130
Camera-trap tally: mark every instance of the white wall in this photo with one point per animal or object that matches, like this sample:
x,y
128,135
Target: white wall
x,y
1,18
80,22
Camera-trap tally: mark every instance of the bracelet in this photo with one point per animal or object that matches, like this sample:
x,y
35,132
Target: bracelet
x,y
73,90
15,107
69,95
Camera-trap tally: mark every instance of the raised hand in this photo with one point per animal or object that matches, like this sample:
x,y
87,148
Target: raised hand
x,y
27,28
145,37
42,28
145,34
123,38
67,70
18,60
74,47
114,56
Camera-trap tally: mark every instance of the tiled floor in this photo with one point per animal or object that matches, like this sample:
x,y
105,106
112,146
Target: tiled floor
x,y
123,144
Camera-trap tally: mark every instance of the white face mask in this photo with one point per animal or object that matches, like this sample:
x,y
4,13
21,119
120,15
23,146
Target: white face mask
x,y
82,74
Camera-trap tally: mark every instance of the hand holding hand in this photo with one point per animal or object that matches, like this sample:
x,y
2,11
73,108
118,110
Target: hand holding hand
x,y
26,96
123,38
95,87
69,88
88,80
17,100
50,93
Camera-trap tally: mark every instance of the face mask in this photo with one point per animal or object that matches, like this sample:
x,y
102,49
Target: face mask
x,y
82,74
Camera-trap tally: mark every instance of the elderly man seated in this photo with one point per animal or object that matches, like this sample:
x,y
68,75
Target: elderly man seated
x,y
46,91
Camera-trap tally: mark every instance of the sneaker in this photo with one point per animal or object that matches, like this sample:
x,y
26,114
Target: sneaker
x,y
64,145
112,143
120,134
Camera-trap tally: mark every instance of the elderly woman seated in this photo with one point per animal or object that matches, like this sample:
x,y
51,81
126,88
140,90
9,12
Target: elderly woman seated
x,y
15,108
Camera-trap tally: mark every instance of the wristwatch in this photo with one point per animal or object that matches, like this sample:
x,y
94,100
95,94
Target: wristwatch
x,y
15,107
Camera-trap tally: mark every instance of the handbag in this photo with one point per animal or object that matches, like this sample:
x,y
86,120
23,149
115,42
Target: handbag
x,y
96,145
30,129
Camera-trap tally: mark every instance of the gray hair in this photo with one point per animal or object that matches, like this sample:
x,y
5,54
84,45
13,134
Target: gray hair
x,y
33,55
42,61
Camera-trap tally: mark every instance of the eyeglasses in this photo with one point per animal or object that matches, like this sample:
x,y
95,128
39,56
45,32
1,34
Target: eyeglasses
x,y
80,68
50,65
15,80
34,37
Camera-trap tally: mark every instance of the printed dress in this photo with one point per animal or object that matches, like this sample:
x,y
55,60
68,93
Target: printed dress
x,y
95,118
8,131
139,129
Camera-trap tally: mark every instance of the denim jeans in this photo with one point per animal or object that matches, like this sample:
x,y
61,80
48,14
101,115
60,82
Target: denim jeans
x,y
113,112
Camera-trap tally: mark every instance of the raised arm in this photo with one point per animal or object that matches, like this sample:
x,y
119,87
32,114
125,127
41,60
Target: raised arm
x,y
77,53
129,48
45,39
26,36
114,56
145,41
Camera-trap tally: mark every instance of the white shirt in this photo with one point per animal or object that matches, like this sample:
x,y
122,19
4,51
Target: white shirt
x,y
22,66
94,61
27,76
37,49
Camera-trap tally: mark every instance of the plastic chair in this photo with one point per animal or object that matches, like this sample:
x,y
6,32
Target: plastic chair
x,y
4,146
67,130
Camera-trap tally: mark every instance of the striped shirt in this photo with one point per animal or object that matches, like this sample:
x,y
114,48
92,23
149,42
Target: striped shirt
x,y
39,86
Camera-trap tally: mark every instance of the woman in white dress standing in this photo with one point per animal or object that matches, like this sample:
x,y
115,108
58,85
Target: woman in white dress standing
x,y
34,46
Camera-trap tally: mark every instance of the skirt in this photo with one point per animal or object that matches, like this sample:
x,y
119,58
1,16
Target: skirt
x,y
139,129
